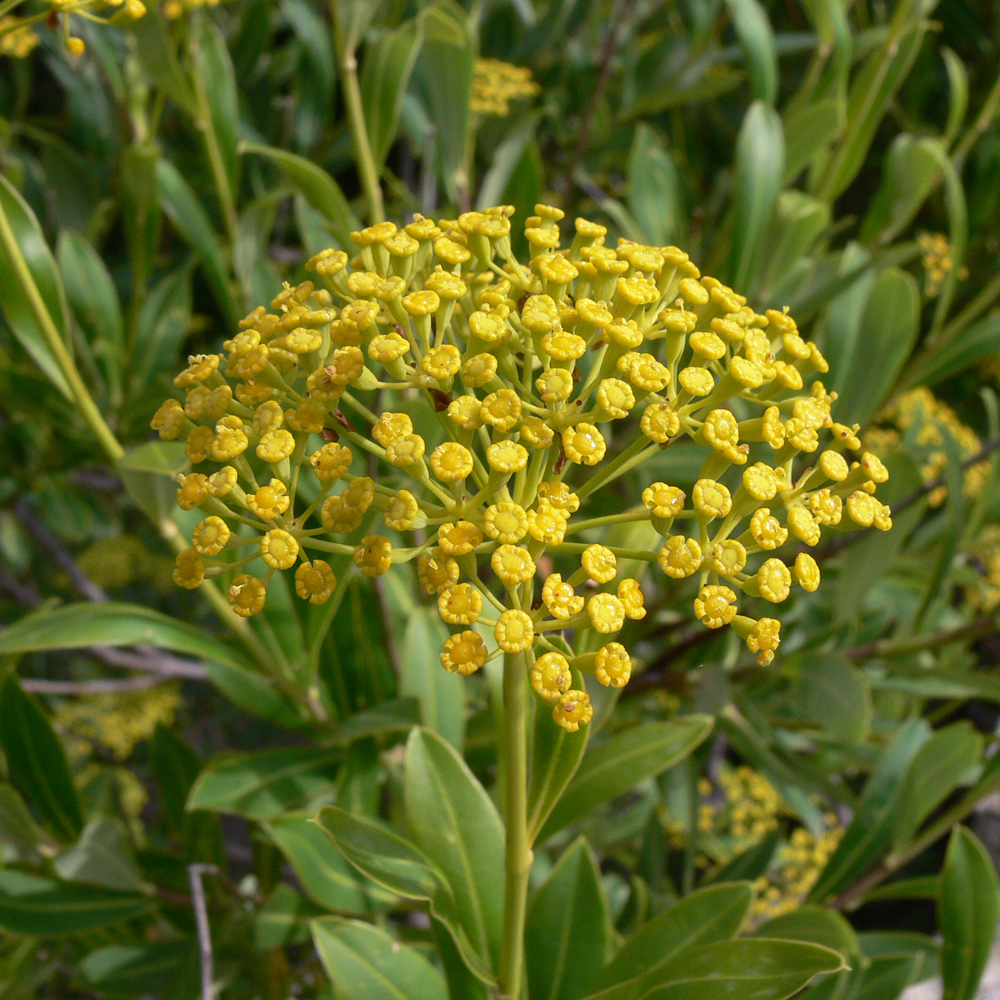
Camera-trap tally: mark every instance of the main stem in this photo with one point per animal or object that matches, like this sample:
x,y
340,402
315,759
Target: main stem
x,y
362,148
517,856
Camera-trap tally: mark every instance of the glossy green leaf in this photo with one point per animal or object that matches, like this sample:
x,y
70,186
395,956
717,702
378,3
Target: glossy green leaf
x,y
834,694
760,167
453,821
36,763
885,978
148,471
968,911
958,95
284,919
441,695
972,344
18,829
799,222
568,928
103,856
185,211
319,189
504,161
749,865
94,301
753,29
323,871
871,829
706,916
365,963
157,54
808,131
654,187
555,756
384,78
16,305
909,172
920,887
612,768
165,969
47,908
263,784
399,866
890,324
256,694
947,759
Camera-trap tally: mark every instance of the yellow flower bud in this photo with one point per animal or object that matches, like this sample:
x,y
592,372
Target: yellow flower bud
x,y
315,581
190,570
550,676
279,549
247,595
512,564
514,631
715,605
584,444
599,563
460,604
774,580
680,557
451,462
374,555
501,410
459,538
606,613
437,571
210,536
506,456
573,710
560,598
465,653
711,499
806,571
613,666
269,501
632,598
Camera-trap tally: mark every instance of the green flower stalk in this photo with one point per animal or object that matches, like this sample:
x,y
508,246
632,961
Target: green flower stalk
x,y
437,388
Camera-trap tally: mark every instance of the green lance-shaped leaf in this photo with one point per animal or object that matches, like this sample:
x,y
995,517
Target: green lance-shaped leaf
x,y
399,866
889,328
833,693
568,928
760,166
27,235
808,131
48,908
973,343
799,221
103,856
163,325
950,756
149,472
365,963
654,188
453,821
958,95
219,79
706,916
181,204
384,78
18,830
612,768
753,29
870,830
167,969
318,188
968,911
36,763
555,756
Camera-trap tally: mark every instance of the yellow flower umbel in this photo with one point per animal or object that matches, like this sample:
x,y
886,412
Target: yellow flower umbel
x,y
496,84
509,392
17,39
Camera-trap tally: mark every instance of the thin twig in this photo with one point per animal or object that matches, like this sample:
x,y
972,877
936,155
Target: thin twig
x,y
86,688
195,873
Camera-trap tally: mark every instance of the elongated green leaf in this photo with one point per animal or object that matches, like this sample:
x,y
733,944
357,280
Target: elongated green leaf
x,y
653,188
263,784
103,856
871,828
211,60
504,161
555,756
709,915
947,758
889,327
454,822
163,325
26,233
323,871
760,166
319,189
18,829
751,864
384,77
157,55
166,969
36,762
958,95
181,204
836,695
799,222
909,171
968,911
753,30
808,131
365,963
568,928
885,978
611,769
966,349
397,865
47,908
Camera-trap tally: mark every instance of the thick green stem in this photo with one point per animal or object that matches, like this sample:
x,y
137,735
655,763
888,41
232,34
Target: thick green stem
x,y
82,399
518,855
362,148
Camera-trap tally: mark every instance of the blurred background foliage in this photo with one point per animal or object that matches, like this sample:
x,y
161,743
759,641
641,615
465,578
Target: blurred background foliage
x,y
836,157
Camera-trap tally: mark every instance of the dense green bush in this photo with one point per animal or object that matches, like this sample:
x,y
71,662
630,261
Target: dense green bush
x,y
307,784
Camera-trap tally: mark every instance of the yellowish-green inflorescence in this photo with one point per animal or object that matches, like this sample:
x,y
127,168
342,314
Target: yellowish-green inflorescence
x,y
17,39
469,403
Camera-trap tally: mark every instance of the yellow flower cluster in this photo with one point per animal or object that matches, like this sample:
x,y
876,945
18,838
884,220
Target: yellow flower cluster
x,y
937,261
985,557
495,84
17,39
508,394
120,560
922,420
798,866
175,8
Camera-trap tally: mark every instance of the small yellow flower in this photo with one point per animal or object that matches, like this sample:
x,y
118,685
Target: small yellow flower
x,y
459,538
613,666
279,549
606,613
711,499
536,432
200,368
660,423
584,444
761,482
315,581
631,596
478,370
715,605
169,420
764,640
803,525
680,557
436,571
550,676
374,555
573,710
547,524
663,501
560,598
861,509
728,557
465,653
331,461
513,565
505,522
193,490
599,563
402,511
560,496
247,595
806,571
405,450
210,536
190,570
501,410
514,631
269,501
451,462
506,457
774,580
460,604
555,385
230,439
390,427
766,530
826,507
615,397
